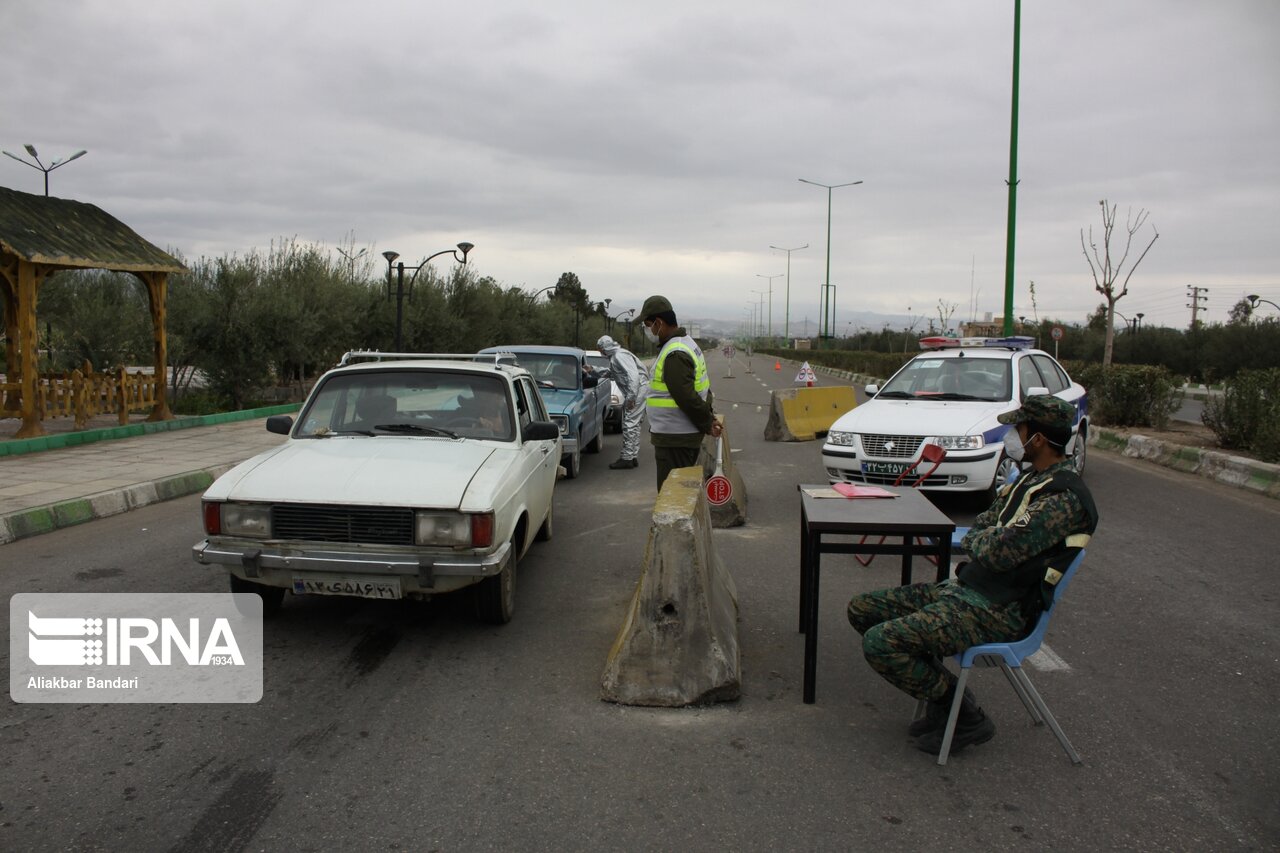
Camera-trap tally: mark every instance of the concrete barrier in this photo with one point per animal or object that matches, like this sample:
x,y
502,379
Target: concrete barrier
x,y
679,643
800,414
732,513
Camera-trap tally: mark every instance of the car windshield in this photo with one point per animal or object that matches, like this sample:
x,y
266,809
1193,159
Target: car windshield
x,y
407,402
550,370
984,379
599,362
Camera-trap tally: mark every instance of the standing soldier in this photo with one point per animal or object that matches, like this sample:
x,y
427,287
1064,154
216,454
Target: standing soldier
x,y
679,400
632,379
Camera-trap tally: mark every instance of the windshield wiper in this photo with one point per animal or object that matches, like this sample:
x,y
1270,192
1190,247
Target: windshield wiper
x,y
416,428
951,395
895,395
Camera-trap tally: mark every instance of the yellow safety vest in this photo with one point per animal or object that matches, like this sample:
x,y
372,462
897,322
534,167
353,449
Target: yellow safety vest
x,y
663,413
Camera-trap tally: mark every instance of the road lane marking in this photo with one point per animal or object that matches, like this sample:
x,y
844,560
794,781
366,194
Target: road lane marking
x,y
1046,660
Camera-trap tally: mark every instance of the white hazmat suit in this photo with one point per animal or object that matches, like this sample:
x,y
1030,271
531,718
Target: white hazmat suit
x,y
632,379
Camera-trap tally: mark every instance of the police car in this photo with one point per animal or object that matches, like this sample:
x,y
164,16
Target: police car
x,y
950,395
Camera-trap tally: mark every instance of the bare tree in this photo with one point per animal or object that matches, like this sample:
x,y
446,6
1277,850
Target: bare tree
x,y
945,311
1108,273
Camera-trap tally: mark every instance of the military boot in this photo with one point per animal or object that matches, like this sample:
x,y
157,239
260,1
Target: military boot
x,y
935,714
972,726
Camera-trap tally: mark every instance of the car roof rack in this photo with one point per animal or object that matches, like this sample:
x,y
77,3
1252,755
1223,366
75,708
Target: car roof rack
x,y
354,356
1012,342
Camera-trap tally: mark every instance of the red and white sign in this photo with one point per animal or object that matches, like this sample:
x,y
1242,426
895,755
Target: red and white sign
x,y
1056,333
719,490
806,374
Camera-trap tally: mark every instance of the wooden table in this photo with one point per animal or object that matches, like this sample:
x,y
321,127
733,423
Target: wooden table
x,y
922,528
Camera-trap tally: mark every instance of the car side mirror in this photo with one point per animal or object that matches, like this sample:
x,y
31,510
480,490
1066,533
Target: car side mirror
x,y
871,390
540,431
1035,391
280,424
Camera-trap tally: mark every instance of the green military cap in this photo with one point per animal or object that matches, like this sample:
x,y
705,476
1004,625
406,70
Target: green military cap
x,y
1043,409
655,305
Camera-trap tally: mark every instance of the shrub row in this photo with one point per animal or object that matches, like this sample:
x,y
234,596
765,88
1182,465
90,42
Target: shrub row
x,y
1247,414
1130,394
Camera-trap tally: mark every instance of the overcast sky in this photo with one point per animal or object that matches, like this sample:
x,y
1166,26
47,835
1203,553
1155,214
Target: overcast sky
x,y
657,146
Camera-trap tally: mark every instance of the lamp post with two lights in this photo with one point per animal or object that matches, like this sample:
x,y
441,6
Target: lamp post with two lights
x,y
401,290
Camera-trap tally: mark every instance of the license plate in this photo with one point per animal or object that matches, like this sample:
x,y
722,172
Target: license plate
x,y
892,468
353,587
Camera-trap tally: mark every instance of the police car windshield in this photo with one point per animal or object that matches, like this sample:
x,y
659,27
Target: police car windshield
x,y
962,379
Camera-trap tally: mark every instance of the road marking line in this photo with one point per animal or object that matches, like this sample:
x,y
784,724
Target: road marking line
x,y
1046,660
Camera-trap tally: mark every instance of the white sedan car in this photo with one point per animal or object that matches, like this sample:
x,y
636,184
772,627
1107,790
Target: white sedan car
x,y
950,395
400,478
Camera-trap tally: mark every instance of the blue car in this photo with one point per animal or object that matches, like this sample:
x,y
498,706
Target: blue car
x,y
576,397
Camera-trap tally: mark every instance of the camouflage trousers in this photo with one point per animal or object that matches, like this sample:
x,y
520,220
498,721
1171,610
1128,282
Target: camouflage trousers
x,y
908,630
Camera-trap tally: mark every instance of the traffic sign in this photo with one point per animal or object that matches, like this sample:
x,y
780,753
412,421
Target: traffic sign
x,y
1056,334
719,490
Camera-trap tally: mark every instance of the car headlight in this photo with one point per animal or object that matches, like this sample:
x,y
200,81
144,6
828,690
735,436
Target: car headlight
x,y
453,529
249,520
562,422
844,439
960,442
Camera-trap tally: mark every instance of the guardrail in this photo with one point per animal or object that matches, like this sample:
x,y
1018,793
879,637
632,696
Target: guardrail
x,y
82,394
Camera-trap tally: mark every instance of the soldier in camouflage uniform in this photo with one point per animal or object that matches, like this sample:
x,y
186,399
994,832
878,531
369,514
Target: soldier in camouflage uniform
x,y
1016,550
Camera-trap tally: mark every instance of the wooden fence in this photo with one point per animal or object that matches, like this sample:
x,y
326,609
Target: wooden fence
x,y
81,394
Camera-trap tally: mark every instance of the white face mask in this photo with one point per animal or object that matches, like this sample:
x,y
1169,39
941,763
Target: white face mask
x,y
650,335
1013,446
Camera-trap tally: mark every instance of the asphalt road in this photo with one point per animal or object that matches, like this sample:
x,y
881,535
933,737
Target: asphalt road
x,y
411,726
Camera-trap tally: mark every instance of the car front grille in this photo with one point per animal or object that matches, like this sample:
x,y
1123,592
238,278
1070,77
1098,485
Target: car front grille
x,y
356,524
891,446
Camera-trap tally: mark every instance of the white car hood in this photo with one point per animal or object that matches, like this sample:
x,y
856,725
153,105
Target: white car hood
x,y
926,417
383,470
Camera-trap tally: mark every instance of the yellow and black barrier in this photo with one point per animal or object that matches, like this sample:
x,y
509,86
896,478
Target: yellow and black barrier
x,y
802,414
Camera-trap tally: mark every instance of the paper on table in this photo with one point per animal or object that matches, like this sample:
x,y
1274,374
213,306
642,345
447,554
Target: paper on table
x,y
853,490
822,492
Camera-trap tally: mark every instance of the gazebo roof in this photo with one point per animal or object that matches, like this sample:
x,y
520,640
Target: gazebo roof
x,y
64,233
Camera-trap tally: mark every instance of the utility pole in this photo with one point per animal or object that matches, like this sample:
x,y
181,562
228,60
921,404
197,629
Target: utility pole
x,y
1194,294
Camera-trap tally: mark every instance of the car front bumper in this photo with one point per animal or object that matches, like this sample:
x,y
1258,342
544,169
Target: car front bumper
x,y
970,472
273,563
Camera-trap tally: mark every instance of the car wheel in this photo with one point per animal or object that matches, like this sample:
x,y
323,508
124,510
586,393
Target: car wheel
x,y
1003,467
547,529
496,596
272,596
597,443
1079,451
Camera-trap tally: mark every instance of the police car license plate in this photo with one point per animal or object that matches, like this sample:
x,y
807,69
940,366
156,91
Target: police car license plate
x,y
892,469
354,587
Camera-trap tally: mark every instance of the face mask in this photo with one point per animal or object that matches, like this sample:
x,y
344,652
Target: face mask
x,y
1013,446
650,335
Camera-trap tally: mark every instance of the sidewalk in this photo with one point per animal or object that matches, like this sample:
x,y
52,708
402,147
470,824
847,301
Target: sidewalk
x,y
65,485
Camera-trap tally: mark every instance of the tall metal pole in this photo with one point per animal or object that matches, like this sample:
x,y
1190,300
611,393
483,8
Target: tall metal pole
x,y
399,303
786,331
823,330
771,278
1013,174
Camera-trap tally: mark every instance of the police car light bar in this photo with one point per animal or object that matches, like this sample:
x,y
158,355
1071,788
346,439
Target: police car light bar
x,y
1011,342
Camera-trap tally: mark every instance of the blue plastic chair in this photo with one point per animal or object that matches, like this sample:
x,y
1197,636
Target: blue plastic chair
x,y
1010,657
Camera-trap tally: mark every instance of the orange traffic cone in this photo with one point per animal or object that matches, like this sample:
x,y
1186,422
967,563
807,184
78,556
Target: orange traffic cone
x,y
777,365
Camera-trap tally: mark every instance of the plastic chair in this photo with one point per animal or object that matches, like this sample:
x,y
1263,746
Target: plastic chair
x,y
935,455
1010,657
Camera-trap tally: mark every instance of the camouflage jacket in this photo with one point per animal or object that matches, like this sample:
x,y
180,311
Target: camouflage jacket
x,y
1035,518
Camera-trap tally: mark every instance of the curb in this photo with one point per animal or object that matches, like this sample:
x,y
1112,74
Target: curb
x,y
89,436
50,517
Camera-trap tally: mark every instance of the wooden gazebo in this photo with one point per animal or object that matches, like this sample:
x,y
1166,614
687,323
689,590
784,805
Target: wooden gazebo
x,y
40,236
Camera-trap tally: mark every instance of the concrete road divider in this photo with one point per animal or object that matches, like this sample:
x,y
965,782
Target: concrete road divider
x,y
733,512
679,643
801,414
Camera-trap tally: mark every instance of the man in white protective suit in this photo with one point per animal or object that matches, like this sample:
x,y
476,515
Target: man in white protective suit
x,y
632,379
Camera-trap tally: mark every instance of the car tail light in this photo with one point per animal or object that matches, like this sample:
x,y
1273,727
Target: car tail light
x,y
212,517
482,530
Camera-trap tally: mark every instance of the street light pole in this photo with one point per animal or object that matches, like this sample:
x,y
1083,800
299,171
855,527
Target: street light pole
x,y
1013,174
401,290
786,332
31,149
769,335
1254,299
823,330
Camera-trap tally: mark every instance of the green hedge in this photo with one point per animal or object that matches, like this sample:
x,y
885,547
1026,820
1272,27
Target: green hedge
x,y
1130,394
1246,416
